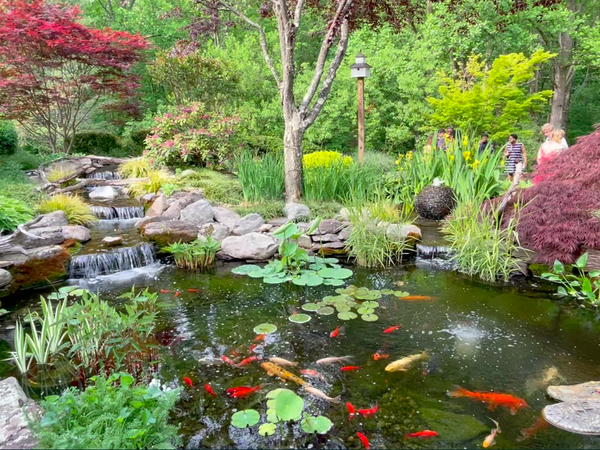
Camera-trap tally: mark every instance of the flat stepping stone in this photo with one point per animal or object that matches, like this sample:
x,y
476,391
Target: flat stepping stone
x,y
578,416
575,391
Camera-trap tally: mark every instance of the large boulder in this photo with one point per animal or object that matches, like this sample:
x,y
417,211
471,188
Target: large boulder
x,y
104,193
296,211
5,278
198,213
226,217
158,206
398,232
217,231
53,219
14,409
146,220
77,232
254,246
38,267
166,233
329,226
435,202
46,236
248,224
184,198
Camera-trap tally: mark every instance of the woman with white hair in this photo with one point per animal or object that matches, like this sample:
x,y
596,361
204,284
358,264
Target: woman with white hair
x,y
547,130
551,147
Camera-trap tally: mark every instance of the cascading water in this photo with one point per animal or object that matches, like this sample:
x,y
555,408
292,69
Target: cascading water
x,y
433,251
104,175
118,212
96,264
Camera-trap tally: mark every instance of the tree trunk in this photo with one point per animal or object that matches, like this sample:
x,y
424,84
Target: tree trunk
x,y
292,151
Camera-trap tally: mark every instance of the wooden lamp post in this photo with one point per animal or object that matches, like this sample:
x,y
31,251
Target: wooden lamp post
x,y
361,70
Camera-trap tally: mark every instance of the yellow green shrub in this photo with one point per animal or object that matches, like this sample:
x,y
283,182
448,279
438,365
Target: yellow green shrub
x,y
325,159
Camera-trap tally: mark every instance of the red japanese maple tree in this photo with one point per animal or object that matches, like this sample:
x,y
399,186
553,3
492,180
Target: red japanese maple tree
x,y
54,71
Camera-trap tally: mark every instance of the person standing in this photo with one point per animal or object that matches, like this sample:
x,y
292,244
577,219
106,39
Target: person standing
x,y
547,130
551,147
514,152
440,143
427,147
483,143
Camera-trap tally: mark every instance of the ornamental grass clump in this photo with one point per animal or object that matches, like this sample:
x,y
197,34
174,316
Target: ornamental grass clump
x,y
151,184
135,168
198,254
262,177
77,211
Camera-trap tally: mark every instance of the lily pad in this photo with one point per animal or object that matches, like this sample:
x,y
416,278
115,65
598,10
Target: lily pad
x,y
267,429
308,280
349,290
325,311
365,310
275,392
245,418
331,260
370,304
369,317
274,280
368,295
271,413
299,318
401,294
343,307
260,273
333,282
289,406
320,424
387,291
265,328
246,269
347,315
340,274
310,307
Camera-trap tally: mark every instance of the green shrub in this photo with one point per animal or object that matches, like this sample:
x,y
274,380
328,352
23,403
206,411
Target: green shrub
x,y
78,212
267,210
111,413
26,160
135,142
13,213
262,177
95,143
9,139
216,186
135,168
156,178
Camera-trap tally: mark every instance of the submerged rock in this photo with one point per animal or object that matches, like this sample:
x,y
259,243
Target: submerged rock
x,y
14,431
166,233
581,416
435,202
104,193
452,426
250,246
39,266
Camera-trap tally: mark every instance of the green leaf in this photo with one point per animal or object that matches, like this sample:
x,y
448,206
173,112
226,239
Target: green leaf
x,y
147,417
290,249
51,398
325,311
562,291
286,231
401,294
125,379
370,304
387,292
307,280
274,280
315,224
152,392
586,287
310,307
369,317
320,424
340,274
288,405
260,273
343,307
333,282
558,267
347,315
265,328
581,261
365,310
246,269
271,413
267,429
136,404
245,418
49,419
299,318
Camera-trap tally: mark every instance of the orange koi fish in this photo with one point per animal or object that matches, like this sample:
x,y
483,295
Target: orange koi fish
x,y
417,298
351,410
234,353
391,329
209,389
378,356
493,399
177,294
252,347
247,361
188,381
312,373
242,391
537,426
166,291
225,359
260,337
368,412
422,434
335,332
363,439
193,290
490,439
350,368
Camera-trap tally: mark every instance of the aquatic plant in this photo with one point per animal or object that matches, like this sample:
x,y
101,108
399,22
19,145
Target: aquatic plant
x,y
13,213
112,412
577,283
77,211
245,418
319,424
198,254
20,356
261,177
299,318
361,299
265,328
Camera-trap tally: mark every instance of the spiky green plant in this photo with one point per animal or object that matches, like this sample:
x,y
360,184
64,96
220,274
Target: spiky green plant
x,y
135,168
261,177
20,355
77,211
198,254
151,184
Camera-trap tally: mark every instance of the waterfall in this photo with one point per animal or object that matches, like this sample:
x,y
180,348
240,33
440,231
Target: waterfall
x,y
433,251
104,175
118,212
95,264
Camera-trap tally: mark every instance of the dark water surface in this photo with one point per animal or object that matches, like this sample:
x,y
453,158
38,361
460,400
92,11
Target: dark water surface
x,y
479,337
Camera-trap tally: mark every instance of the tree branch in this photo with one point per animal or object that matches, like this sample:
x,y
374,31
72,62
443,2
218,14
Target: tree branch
x,y
298,14
263,40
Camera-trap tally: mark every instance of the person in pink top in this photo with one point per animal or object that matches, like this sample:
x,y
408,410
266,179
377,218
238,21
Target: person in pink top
x,y
551,147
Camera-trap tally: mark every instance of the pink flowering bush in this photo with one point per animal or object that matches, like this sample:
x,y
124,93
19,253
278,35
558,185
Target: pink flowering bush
x,y
191,136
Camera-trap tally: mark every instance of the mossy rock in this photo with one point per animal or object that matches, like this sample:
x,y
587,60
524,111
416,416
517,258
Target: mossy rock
x,y
435,202
453,427
538,269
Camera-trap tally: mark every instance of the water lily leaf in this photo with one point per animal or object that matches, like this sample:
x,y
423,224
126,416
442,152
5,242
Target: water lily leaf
x,y
245,269
331,260
320,424
271,413
333,282
387,291
325,311
265,328
347,315
260,273
245,418
3,312
67,289
365,310
275,392
401,294
369,317
343,307
368,295
271,404
307,279
317,266
340,274
267,429
370,304
289,406
274,280
348,290
299,318
286,231
310,307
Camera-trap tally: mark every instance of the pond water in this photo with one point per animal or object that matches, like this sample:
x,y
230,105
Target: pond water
x,y
478,337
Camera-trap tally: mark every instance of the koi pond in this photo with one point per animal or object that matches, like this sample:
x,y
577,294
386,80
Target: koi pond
x,y
510,339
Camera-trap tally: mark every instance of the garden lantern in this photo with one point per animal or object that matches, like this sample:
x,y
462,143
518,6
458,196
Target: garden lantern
x,y
361,70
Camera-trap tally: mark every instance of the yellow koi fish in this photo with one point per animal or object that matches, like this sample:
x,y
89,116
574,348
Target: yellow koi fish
x,y
277,371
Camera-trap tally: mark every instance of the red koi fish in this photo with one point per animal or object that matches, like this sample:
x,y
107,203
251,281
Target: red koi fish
x,y
188,381
209,390
313,374
193,290
368,412
247,361
177,294
363,439
350,368
252,347
351,410
166,291
492,399
417,298
260,337
242,391
391,329
539,425
422,434
225,359
335,332
378,356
